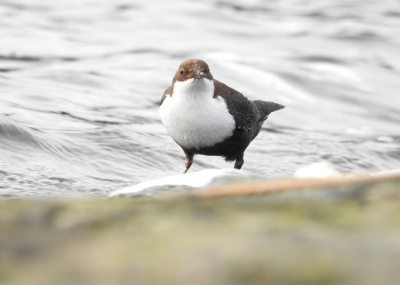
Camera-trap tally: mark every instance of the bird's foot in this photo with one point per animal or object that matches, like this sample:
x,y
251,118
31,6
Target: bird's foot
x,y
239,163
188,161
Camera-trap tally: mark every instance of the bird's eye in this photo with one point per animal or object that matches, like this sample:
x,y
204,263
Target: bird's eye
x,y
181,71
207,70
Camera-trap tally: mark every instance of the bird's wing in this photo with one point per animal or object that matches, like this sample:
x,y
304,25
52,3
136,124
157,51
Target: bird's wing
x,y
166,93
243,110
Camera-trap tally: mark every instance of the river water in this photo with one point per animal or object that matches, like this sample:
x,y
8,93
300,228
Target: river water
x,y
80,82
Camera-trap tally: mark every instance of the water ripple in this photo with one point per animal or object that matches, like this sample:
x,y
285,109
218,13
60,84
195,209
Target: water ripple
x,y
80,86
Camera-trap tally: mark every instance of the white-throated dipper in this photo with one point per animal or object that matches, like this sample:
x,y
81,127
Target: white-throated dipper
x,y
205,116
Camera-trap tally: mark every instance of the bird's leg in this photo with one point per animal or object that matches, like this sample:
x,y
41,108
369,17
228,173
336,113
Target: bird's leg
x,y
239,162
188,160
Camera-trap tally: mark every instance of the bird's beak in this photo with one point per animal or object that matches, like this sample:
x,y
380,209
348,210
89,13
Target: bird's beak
x,y
199,75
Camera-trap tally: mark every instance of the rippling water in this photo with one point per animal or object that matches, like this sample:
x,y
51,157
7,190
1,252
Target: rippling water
x,y
80,83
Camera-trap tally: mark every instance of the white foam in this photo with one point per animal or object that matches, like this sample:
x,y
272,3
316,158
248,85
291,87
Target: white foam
x,y
386,172
385,139
195,179
321,169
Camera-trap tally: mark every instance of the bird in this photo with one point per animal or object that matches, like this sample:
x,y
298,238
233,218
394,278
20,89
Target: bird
x,y
204,116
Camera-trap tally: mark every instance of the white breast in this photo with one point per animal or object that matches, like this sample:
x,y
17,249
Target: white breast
x,y
193,118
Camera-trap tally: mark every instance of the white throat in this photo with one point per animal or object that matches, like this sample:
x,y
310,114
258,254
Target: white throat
x,y
193,118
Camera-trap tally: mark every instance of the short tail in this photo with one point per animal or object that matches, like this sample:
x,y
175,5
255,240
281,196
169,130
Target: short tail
x,y
267,108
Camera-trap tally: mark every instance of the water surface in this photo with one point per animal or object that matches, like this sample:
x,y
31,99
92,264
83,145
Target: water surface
x,y
80,83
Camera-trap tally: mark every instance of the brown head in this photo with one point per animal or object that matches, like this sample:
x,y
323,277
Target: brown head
x,y
192,68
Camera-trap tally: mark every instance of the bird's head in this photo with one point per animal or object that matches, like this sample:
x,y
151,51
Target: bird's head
x,y
193,68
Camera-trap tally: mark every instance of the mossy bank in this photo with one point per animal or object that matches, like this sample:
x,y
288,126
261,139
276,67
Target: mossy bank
x,y
337,235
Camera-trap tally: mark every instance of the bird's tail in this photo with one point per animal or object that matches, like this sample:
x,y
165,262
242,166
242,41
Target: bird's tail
x,y
267,108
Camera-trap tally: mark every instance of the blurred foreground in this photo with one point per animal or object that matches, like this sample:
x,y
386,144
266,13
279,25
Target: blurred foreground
x,y
346,234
